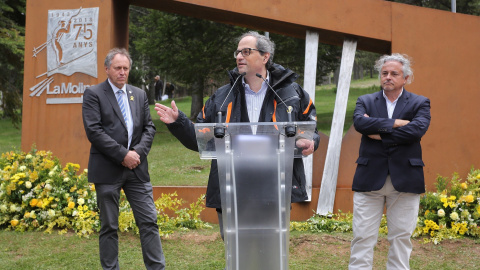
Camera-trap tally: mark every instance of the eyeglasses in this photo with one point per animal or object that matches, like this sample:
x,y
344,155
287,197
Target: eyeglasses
x,y
245,52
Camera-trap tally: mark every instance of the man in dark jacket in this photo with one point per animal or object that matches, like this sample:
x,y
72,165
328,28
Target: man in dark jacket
x,y
390,166
158,88
250,100
119,127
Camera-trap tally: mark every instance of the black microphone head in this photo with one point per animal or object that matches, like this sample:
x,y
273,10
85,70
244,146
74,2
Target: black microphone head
x,y
259,75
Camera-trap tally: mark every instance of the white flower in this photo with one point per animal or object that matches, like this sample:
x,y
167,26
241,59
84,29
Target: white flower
x,y
81,201
28,184
43,214
28,196
51,173
3,208
13,208
51,213
441,213
85,170
454,216
66,179
74,213
28,156
48,187
22,168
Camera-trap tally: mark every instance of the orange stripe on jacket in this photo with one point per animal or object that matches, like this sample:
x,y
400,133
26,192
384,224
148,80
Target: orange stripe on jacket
x,y
203,111
274,117
308,107
229,112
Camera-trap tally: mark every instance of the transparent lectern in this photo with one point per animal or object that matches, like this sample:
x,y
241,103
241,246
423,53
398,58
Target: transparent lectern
x,y
255,163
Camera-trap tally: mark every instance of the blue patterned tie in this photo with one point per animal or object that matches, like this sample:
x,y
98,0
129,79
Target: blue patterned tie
x,y
122,104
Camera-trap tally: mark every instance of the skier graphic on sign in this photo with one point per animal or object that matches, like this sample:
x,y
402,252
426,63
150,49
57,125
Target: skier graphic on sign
x,y
63,28
71,45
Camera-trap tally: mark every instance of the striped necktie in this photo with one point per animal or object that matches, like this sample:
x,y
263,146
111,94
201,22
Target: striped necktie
x,y
122,104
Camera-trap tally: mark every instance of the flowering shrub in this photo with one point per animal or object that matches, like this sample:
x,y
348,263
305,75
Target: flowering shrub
x,y
36,193
451,212
341,222
184,219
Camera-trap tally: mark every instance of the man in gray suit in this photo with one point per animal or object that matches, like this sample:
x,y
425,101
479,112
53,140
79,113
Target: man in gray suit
x,y
119,127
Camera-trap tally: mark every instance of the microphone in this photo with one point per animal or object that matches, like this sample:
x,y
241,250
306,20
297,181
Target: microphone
x,y
290,129
219,130
261,77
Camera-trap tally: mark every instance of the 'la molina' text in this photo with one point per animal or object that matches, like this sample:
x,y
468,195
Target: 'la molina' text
x,y
67,89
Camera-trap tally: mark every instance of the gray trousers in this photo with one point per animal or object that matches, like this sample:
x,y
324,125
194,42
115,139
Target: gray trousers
x,y
139,195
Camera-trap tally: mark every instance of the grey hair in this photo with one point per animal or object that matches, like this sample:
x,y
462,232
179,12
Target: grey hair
x,y
111,54
403,59
264,44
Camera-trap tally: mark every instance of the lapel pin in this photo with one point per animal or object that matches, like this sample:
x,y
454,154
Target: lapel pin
x,y
131,98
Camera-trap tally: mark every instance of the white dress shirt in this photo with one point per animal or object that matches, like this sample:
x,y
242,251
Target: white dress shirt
x,y
129,121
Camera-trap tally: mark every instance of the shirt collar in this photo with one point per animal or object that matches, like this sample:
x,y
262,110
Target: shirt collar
x,y
115,89
386,98
248,89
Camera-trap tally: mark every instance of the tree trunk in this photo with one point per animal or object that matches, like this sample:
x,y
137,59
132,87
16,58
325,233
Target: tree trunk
x,y
197,98
336,74
356,75
151,93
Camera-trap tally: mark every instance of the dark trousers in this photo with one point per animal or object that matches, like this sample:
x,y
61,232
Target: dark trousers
x,y
139,195
220,222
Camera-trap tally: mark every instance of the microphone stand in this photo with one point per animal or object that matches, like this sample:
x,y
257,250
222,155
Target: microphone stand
x,y
219,129
290,128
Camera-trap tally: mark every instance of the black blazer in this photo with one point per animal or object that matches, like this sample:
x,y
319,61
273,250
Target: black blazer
x,y
107,132
399,152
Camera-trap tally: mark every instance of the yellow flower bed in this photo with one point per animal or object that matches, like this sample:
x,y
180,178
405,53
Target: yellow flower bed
x,y
37,193
451,212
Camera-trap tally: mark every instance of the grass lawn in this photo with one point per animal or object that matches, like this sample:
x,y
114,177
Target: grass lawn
x,y
10,137
203,250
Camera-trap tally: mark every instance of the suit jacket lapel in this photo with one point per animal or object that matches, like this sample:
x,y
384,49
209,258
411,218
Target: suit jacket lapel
x,y
381,105
401,103
113,101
